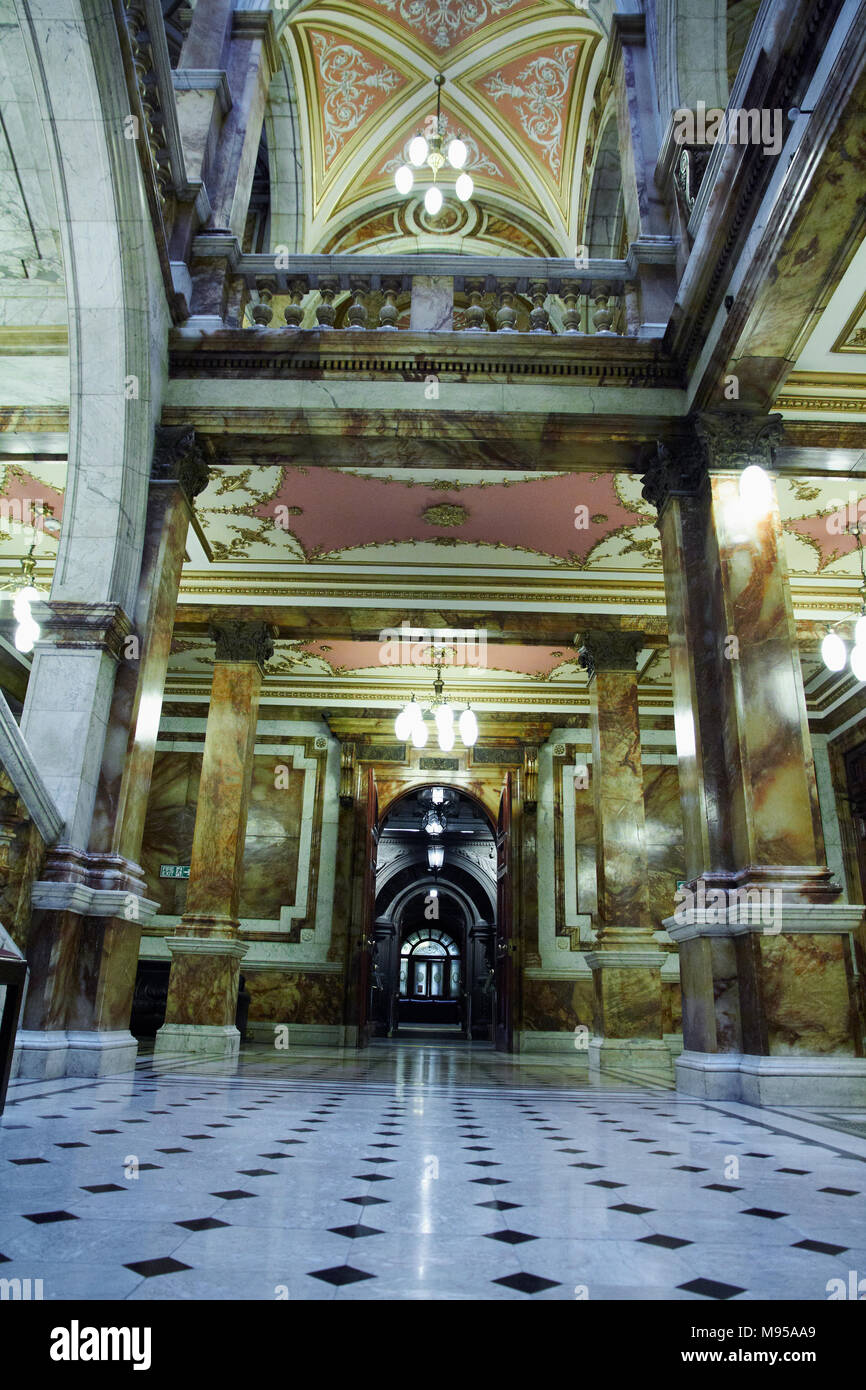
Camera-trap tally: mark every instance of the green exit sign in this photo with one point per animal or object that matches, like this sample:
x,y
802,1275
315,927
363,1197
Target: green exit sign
x,y
174,870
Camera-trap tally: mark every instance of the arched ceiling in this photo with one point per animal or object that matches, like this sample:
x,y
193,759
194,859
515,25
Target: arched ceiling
x,y
517,90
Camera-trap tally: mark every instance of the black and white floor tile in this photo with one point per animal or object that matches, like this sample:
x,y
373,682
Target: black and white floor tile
x,y
422,1172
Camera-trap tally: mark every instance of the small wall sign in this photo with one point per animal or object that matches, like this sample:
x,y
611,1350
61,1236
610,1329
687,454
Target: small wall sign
x,y
174,870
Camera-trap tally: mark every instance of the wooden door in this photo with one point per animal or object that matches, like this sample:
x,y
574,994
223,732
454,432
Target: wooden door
x,y
371,847
503,1019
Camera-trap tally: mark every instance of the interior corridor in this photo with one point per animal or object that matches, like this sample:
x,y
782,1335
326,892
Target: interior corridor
x,y
419,1171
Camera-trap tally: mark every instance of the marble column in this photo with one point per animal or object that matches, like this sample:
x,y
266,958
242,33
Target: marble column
x,y
626,963
89,905
206,952
765,949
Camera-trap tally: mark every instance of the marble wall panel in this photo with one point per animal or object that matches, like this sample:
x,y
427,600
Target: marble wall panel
x,y
556,1006
806,997
295,996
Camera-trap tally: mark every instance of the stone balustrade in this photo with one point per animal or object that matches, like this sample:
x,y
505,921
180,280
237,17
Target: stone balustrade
x,y
440,293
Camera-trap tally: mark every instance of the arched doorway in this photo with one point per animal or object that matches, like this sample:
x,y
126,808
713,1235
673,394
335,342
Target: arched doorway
x,y
434,918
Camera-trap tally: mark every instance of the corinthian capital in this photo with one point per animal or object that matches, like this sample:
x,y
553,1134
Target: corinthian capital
x,y
237,641
735,439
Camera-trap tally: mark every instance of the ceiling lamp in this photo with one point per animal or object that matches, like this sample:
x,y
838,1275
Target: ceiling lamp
x,y
433,822
435,856
410,722
429,153
834,649
28,630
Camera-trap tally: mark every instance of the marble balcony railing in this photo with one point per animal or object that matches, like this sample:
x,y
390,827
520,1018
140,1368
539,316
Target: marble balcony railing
x,y
431,293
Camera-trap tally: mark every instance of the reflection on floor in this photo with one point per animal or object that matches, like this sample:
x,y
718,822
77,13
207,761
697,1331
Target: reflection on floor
x,y
419,1171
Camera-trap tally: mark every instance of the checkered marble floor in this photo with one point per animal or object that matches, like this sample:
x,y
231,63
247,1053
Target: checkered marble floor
x,y
419,1171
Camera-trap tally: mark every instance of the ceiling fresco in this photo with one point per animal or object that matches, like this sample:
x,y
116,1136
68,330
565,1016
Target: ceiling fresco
x,y
517,75
572,521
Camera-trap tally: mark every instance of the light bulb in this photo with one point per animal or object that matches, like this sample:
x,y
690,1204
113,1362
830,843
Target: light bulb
x,y
433,200
445,735
858,663
468,728
464,188
417,151
26,634
404,179
403,724
437,796
860,632
22,601
834,653
457,154
419,734
756,488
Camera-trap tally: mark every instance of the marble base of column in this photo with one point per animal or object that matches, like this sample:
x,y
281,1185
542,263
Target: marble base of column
x,y
769,1009
628,1013
202,996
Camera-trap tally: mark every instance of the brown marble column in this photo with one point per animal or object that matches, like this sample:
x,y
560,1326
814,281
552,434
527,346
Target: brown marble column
x,y
206,952
89,906
765,953
626,964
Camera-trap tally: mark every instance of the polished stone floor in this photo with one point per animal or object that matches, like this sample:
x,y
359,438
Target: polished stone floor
x,y
419,1170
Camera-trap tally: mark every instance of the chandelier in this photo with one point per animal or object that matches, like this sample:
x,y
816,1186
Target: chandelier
x,y
834,650
422,151
411,721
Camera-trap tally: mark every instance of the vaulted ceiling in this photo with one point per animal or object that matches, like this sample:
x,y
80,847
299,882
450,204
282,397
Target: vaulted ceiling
x,y
516,84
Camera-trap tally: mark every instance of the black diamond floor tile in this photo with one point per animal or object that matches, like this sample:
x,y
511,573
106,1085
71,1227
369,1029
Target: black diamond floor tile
x,y
44,1218
763,1211
820,1247
233,1195
527,1283
355,1232
150,1268
509,1237
711,1288
340,1275
202,1223
666,1242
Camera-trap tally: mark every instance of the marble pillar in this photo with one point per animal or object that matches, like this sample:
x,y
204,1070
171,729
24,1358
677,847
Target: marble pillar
x,y
626,963
89,906
769,1015
206,952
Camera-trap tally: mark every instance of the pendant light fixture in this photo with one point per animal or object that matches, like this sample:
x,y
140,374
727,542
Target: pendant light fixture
x,y
423,152
411,724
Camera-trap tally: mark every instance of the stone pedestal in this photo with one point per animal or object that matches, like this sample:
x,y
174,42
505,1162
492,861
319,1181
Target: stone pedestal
x,y
206,952
769,1013
628,1016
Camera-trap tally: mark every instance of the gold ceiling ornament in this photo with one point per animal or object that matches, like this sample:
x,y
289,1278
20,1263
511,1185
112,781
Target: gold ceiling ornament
x,y
445,514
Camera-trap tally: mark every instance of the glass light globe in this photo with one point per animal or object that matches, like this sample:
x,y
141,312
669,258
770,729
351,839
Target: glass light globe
x,y
858,663
756,488
419,734
464,188
444,717
457,154
435,856
860,632
417,151
29,632
404,723
437,796
404,179
468,728
834,653
22,601
445,735
433,200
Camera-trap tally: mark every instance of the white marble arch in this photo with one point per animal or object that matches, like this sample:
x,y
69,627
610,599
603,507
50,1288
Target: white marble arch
x,y
605,210
692,60
118,321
